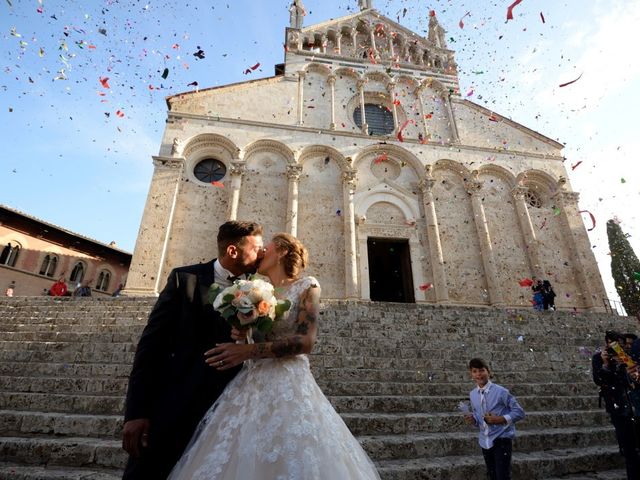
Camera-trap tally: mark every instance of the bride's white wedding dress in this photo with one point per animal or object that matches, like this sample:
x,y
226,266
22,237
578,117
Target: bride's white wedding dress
x,y
273,422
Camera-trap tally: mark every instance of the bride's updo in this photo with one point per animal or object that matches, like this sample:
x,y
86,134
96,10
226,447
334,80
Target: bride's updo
x,y
297,256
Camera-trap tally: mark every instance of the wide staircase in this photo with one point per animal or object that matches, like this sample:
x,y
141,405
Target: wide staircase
x,y
395,372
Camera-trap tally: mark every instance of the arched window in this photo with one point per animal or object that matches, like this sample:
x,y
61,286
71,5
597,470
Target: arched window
x,y
378,117
9,254
77,274
49,264
103,281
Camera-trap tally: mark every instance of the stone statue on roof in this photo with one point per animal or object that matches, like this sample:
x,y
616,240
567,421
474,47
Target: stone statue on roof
x,y
296,14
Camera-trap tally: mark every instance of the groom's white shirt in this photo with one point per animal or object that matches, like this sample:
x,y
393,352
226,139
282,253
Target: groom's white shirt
x,y
221,275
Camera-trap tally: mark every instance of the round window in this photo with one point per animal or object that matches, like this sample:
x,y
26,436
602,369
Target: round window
x,y
378,117
210,170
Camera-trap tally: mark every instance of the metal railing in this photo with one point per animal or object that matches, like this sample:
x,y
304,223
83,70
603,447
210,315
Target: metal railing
x,y
614,306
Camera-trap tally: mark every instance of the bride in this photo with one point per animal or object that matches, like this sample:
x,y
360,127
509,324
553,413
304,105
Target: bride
x,y
273,422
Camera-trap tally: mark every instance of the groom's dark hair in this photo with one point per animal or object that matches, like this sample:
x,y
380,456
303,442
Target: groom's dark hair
x,y
233,232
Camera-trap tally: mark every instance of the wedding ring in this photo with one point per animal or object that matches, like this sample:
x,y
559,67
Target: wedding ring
x,y
221,363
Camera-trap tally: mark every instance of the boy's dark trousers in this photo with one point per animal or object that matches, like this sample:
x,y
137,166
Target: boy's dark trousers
x,y
498,459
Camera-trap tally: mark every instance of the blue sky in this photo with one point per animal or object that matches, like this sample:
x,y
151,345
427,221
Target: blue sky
x,y
70,159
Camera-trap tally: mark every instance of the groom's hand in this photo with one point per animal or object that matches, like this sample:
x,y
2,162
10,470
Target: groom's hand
x,y
135,435
227,355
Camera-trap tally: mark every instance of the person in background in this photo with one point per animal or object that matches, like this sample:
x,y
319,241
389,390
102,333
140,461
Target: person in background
x,y
10,289
538,298
629,338
116,292
548,296
59,288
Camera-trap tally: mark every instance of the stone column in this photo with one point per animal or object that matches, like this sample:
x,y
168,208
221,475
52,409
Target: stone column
x,y
331,80
372,38
354,41
236,171
338,43
293,174
155,228
573,229
391,89
351,264
419,53
390,42
365,128
301,76
433,236
528,232
452,121
418,93
323,43
473,188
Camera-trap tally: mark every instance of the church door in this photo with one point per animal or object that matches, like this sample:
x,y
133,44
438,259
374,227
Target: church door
x,y
390,278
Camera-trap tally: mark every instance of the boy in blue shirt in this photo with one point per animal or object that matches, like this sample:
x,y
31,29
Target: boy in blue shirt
x,y
494,411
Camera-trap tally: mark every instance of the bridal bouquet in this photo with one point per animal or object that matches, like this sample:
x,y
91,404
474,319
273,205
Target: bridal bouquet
x,y
248,303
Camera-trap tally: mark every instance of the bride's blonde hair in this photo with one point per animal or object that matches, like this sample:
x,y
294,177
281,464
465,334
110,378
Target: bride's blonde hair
x,y
296,258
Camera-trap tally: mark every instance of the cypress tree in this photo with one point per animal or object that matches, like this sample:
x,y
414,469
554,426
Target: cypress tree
x,y
625,268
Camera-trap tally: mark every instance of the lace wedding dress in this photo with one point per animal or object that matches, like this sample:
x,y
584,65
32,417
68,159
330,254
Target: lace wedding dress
x,y
273,422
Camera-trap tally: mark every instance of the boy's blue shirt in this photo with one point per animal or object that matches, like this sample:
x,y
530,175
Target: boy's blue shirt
x,y
499,401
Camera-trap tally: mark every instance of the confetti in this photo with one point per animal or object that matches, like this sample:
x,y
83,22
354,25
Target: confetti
x,y
105,82
593,219
252,68
404,125
510,9
556,211
622,180
165,74
120,113
526,282
199,54
425,286
520,338
338,212
192,84
215,183
381,158
461,23
542,17
572,81
573,167
636,276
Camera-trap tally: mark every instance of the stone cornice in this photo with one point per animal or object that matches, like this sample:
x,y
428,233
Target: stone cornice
x,y
211,120
168,162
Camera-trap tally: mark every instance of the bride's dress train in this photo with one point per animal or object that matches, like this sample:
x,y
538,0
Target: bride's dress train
x,y
273,422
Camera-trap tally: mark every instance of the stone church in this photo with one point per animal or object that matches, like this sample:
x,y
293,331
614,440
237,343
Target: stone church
x,y
362,146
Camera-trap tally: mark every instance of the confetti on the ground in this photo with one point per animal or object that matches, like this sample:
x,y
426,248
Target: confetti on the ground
x,y
526,282
381,158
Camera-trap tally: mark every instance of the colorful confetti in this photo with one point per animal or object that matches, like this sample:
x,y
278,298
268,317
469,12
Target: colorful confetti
x,y
572,81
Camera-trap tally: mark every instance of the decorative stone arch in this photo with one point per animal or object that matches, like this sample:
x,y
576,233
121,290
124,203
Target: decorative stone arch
x,y
207,142
499,172
318,68
380,76
396,152
539,180
348,72
331,152
393,197
436,85
270,146
456,167
406,79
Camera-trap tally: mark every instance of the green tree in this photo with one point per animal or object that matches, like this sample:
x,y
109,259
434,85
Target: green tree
x,y
625,268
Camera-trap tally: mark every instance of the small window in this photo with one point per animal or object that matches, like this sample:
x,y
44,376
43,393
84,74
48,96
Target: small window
x,y
533,199
49,265
378,117
9,254
77,274
210,170
103,281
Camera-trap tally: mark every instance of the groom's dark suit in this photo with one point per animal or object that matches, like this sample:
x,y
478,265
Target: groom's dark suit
x,y
170,383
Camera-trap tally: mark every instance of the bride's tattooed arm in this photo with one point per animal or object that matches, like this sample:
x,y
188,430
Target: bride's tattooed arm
x,y
305,333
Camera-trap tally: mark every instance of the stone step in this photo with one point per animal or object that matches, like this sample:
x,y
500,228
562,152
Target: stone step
x,y
617,474
502,376
104,356
530,465
114,385
67,451
40,369
52,402
446,403
386,447
27,472
22,423
398,423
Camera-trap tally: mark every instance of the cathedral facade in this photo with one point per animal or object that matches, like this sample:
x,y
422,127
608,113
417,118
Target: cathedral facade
x,y
362,146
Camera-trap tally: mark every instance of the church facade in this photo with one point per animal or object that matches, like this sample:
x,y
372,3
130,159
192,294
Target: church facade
x,y
362,146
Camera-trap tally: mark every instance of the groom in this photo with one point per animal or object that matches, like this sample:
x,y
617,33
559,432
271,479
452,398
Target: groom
x,y
170,386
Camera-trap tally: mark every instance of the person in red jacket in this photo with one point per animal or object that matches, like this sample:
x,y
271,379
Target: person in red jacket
x,y
59,288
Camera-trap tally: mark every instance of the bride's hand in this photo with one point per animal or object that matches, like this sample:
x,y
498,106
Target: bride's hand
x,y
240,335
228,355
